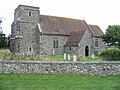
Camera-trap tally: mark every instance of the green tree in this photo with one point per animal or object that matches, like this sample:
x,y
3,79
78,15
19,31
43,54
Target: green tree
x,y
8,40
3,39
112,36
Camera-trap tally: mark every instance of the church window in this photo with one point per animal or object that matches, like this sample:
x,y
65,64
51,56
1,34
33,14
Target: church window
x,y
55,43
96,43
30,14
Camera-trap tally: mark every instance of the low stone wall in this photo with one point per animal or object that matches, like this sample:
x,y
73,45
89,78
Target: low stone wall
x,y
45,67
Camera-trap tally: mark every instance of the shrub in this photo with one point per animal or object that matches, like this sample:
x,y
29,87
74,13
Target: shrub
x,y
111,54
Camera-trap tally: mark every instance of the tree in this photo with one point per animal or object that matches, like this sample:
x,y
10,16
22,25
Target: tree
x,y
3,39
112,36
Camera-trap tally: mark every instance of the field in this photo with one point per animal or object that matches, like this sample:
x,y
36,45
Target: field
x,y
58,82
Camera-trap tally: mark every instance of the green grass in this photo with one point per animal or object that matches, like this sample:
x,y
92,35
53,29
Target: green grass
x,y
55,58
58,82
82,58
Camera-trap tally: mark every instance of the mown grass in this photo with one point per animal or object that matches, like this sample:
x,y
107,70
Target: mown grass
x,y
58,82
5,55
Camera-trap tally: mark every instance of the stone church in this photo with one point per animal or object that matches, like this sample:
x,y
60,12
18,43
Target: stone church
x,y
33,33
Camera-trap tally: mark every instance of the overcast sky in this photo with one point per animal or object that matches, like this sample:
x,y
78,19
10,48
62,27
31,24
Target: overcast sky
x,y
98,12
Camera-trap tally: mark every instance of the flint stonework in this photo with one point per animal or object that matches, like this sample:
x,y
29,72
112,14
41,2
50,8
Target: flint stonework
x,y
64,67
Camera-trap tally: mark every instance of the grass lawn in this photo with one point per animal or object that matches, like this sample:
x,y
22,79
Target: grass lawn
x,y
58,82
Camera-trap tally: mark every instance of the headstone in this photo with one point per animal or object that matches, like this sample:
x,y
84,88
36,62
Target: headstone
x,y
68,56
92,55
53,52
74,58
64,56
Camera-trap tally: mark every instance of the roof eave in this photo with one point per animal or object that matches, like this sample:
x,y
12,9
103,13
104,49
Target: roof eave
x,y
97,36
70,45
56,34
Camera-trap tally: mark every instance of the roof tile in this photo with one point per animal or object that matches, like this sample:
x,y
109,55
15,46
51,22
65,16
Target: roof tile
x,y
75,28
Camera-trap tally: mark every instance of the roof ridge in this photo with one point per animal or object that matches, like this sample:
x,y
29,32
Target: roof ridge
x,y
63,17
92,25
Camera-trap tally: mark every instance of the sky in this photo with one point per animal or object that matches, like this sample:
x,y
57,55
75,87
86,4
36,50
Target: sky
x,y
95,12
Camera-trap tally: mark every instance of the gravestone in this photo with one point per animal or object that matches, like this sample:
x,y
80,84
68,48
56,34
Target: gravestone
x,y
64,56
74,58
68,56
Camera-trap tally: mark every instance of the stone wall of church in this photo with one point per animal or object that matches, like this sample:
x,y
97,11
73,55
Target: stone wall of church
x,y
22,14
30,38
72,50
46,44
86,40
101,45
24,30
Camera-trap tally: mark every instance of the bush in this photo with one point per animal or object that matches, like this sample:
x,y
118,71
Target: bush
x,y
111,54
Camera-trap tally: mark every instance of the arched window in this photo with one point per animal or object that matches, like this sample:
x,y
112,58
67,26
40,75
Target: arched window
x,y
55,43
86,51
30,14
96,43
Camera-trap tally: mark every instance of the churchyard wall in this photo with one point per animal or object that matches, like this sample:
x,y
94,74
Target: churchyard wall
x,y
63,67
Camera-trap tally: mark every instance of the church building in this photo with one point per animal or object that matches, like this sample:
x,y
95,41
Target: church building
x,y
36,34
